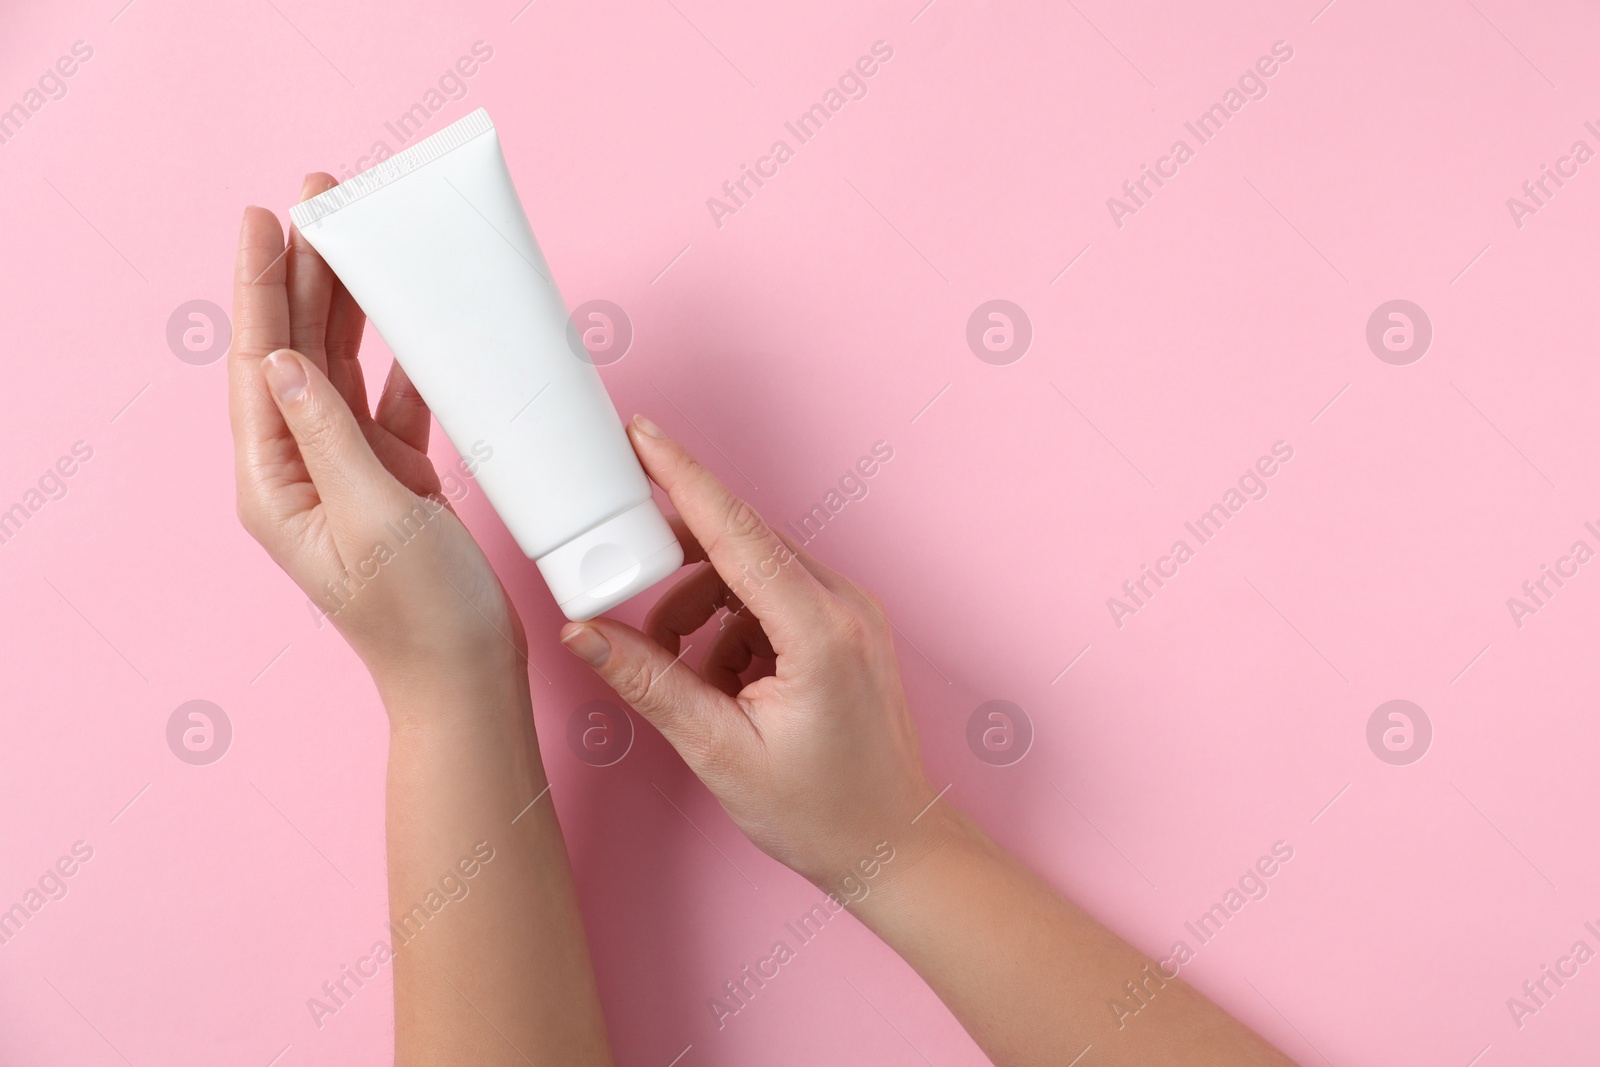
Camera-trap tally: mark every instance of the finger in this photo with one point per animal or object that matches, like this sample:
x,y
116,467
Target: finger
x,y
346,321
260,302
708,728
694,552
834,582
261,324
310,285
830,579
686,607
751,558
336,454
338,341
402,411
738,642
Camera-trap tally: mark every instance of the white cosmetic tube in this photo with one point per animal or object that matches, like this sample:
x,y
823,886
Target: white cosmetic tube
x,y
435,247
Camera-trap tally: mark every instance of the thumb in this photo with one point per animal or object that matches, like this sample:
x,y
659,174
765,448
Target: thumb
x,y
706,726
335,451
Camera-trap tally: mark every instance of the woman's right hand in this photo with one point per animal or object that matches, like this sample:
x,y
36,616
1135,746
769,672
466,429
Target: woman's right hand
x,y
816,757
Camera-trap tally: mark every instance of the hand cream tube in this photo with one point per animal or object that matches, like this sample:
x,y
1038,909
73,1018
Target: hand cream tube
x,y
435,247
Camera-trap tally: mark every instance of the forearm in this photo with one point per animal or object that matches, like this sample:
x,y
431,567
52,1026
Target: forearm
x,y
492,967
1029,974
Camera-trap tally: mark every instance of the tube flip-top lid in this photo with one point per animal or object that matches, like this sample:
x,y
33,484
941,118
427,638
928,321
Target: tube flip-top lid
x,y
599,569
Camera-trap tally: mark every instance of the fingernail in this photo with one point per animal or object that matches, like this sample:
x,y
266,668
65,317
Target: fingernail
x,y
648,428
588,644
285,376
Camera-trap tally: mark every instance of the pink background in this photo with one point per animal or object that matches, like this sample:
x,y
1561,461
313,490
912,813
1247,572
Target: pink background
x,y
1227,314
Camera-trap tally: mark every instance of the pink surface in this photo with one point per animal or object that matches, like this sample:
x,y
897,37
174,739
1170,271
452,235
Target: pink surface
x,y
829,312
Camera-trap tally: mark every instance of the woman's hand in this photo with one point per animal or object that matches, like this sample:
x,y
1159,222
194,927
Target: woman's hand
x,y
344,500
347,502
816,756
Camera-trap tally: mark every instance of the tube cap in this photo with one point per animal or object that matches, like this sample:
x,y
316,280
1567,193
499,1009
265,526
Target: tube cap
x,y
625,555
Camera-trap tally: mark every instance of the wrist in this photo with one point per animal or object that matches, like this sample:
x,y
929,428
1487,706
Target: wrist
x,y
942,842
878,867
422,694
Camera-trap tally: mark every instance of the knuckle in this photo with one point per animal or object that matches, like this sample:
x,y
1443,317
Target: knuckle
x,y
319,430
846,629
744,521
634,683
879,611
712,755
